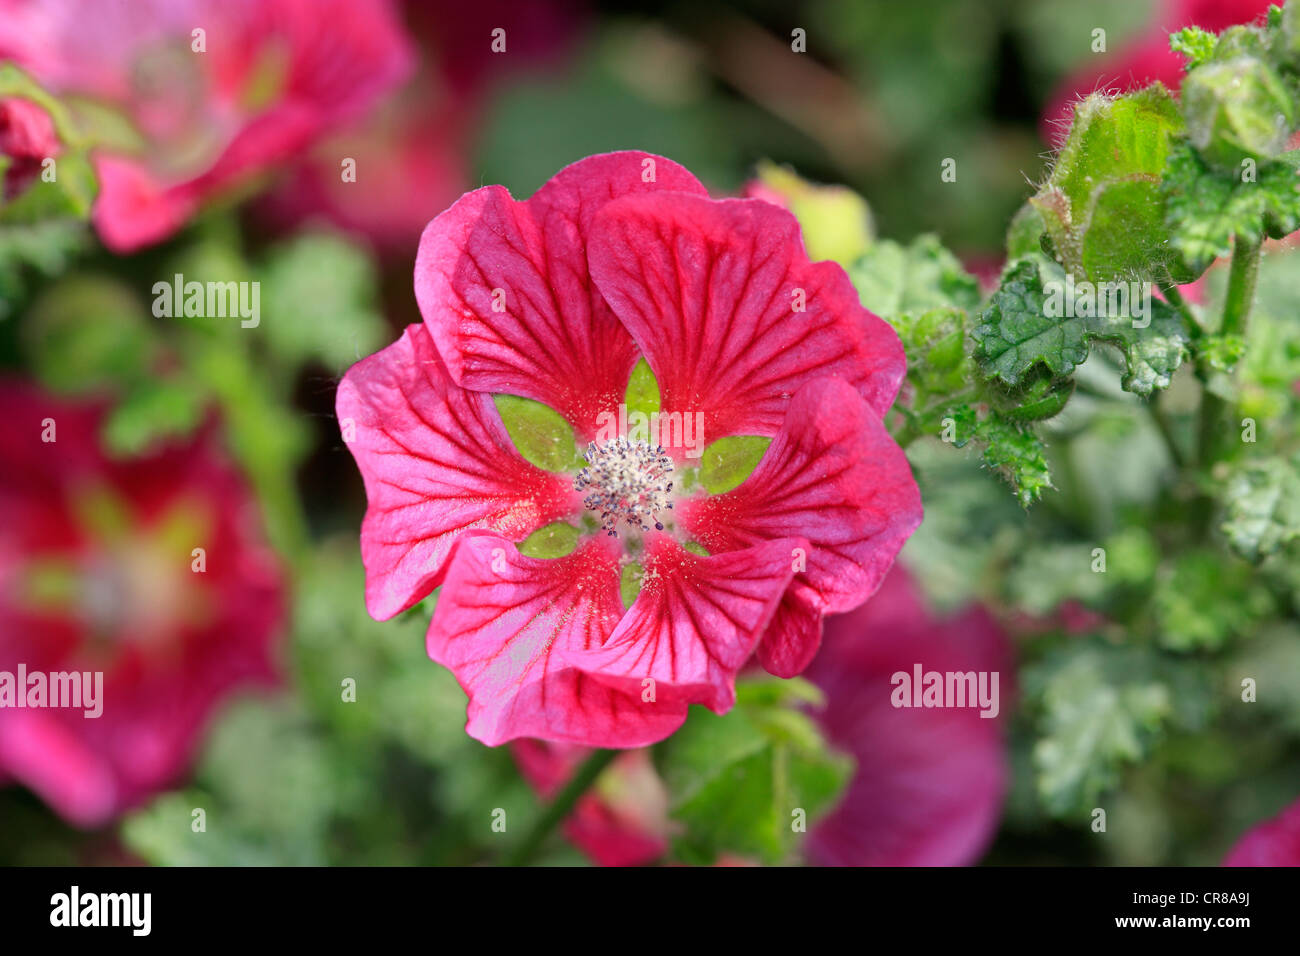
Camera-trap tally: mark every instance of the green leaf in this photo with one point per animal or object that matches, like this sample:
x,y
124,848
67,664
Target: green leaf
x,y
151,411
1015,333
1203,602
738,782
729,461
1205,209
539,432
1018,454
1091,726
892,279
87,332
1102,205
320,301
1024,328
1263,507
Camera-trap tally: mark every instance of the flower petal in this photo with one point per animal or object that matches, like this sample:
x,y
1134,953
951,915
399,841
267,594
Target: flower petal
x,y
793,638
834,476
695,622
436,460
730,314
503,625
504,289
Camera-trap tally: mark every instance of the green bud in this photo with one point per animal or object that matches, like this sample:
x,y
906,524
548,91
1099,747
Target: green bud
x,y
1039,399
1237,110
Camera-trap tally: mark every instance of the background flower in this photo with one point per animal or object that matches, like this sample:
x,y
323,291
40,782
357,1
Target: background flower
x,y
98,574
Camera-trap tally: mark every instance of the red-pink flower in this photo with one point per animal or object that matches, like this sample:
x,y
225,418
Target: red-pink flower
x,y
27,139
213,92
930,781
1147,59
99,573
555,299
1274,842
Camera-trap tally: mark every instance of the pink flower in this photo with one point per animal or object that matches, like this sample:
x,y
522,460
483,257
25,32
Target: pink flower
x,y
622,820
412,154
555,299
214,92
1146,59
99,573
930,781
1274,842
27,138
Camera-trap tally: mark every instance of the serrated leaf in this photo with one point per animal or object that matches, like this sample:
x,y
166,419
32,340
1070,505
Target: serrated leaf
x,y
1019,332
1263,507
1018,453
1203,602
1091,726
1205,209
892,279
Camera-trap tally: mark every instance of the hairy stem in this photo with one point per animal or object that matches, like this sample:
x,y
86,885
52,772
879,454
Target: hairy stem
x,y
561,806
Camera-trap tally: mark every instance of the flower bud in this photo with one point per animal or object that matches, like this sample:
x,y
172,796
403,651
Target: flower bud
x,y
1236,110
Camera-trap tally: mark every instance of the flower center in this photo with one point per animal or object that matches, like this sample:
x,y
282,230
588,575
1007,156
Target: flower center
x,y
628,481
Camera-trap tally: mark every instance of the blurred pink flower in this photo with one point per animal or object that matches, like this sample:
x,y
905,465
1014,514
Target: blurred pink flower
x,y
1274,842
27,138
412,155
97,574
211,93
930,782
1145,59
555,299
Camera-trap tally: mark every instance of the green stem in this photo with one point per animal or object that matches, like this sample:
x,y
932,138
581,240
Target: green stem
x,y
1161,417
1236,309
561,806
1175,298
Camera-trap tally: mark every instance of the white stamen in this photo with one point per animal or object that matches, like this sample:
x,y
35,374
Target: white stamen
x,y
628,481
